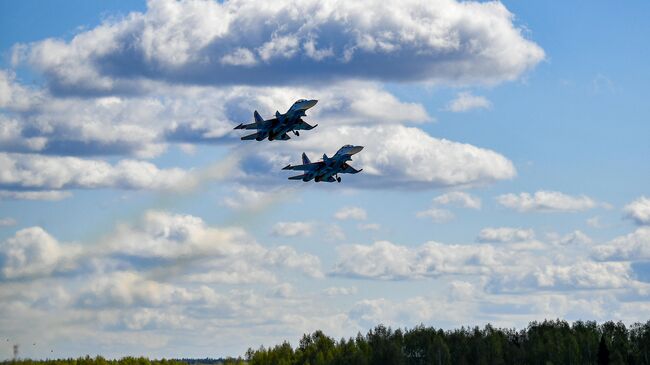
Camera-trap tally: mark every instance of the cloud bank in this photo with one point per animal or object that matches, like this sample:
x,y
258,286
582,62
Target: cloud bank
x,y
206,42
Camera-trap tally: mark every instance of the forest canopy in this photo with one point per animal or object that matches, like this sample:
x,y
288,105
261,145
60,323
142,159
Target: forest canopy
x,y
547,342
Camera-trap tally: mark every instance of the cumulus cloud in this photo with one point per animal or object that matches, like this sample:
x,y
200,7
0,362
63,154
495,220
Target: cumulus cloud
x,y
499,269
639,211
201,42
250,199
406,311
579,275
355,213
465,101
594,222
33,252
292,229
464,199
216,254
27,171
127,288
406,157
439,215
340,290
505,235
334,232
50,195
634,246
546,201
384,260
143,125
576,237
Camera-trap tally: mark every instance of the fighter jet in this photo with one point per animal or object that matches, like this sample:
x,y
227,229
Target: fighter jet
x,y
329,168
278,127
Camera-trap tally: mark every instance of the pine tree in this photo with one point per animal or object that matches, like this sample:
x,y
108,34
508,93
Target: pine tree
x,y
603,352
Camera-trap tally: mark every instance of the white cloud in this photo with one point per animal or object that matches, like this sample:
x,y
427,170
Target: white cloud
x,y
384,260
334,232
594,222
250,199
239,57
586,275
439,215
37,172
293,229
33,252
217,254
505,268
7,222
465,101
578,275
126,289
406,157
143,125
436,215
576,237
182,245
443,41
505,235
51,195
398,313
546,201
15,96
464,199
347,213
336,291
639,211
634,246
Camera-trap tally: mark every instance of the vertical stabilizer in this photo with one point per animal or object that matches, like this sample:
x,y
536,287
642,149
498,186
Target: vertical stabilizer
x,y
258,117
305,159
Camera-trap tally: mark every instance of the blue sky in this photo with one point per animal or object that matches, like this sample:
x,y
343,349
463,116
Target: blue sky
x,y
505,171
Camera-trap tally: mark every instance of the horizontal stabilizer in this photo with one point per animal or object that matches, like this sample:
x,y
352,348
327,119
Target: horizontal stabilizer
x,y
256,136
288,167
297,177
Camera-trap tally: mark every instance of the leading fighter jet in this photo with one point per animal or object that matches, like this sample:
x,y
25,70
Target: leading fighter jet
x,y
329,168
278,127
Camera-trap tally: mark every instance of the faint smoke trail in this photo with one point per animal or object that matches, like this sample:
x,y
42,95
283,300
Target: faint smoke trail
x,y
198,181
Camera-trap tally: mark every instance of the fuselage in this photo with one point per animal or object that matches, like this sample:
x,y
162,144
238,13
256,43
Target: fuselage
x,y
286,122
334,164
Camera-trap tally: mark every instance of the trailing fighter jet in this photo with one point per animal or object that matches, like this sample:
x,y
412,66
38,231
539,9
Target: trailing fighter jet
x,y
329,168
278,127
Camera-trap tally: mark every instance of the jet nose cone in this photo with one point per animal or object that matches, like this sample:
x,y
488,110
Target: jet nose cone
x,y
355,149
310,103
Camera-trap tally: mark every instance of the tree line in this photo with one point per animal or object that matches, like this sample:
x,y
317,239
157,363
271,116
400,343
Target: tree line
x,y
541,343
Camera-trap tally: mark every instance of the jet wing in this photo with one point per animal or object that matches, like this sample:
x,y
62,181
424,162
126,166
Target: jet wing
x,y
262,125
306,167
347,169
304,125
